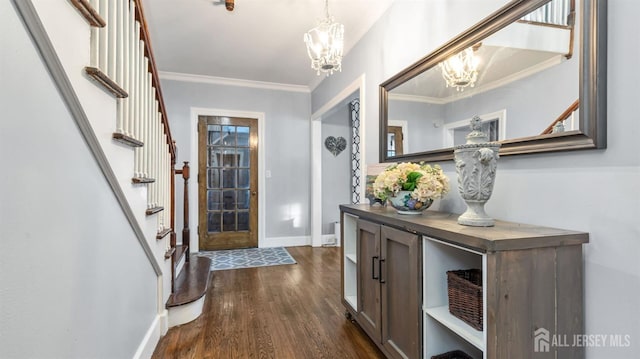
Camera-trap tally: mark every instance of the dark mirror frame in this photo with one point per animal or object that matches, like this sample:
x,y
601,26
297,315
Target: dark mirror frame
x,y
592,86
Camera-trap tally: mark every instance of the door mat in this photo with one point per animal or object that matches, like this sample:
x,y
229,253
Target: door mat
x,y
247,258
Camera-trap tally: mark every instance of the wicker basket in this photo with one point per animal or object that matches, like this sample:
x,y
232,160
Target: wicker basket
x,y
465,296
456,354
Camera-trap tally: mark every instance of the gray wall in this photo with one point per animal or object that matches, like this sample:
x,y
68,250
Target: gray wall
x,y
74,281
286,139
593,191
421,118
336,171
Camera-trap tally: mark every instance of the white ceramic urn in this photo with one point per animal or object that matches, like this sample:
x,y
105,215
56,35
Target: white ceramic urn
x,y
476,163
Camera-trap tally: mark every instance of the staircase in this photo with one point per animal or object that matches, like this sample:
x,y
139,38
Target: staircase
x,y
111,85
122,63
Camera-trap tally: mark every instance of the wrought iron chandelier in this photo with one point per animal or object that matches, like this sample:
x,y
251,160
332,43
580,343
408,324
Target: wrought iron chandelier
x,y
325,43
461,70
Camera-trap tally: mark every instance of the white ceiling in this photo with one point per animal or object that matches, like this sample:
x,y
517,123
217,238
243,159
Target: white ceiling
x,y
261,40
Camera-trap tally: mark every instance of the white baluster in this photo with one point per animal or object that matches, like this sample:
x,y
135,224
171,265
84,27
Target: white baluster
x,y
150,163
145,89
134,33
144,121
95,38
119,65
156,164
167,184
103,37
112,25
149,120
161,189
165,170
119,43
169,175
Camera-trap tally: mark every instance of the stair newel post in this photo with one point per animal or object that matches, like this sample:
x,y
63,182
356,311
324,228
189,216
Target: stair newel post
x,y
185,230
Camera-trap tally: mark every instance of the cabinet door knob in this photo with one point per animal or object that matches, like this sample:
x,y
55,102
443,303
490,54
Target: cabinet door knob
x,y
380,270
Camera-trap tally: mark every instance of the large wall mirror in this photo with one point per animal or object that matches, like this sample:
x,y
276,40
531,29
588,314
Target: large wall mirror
x,y
534,71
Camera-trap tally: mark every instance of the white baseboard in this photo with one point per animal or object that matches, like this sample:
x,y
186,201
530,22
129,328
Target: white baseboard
x,y
150,340
329,240
164,322
286,241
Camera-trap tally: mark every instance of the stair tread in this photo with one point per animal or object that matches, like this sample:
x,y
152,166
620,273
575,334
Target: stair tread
x,y
179,252
192,282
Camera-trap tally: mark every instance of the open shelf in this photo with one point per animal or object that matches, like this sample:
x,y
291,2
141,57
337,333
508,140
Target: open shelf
x,y
443,331
350,271
442,315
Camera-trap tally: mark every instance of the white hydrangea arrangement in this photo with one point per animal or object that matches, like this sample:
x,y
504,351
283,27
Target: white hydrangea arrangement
x,y
425,182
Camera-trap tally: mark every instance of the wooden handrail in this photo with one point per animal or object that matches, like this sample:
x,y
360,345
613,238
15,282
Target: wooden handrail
x,y
144,36
574,107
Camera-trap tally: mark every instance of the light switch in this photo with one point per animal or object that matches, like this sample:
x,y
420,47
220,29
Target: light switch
x,y
267,173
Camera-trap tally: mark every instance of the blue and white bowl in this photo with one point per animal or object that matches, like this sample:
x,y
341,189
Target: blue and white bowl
x,y
404,204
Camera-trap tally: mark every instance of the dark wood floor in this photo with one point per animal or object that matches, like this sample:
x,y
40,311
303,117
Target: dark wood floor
x,y
288,311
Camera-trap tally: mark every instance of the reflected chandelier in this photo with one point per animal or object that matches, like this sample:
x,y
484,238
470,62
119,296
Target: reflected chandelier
x,y
325,43
461,69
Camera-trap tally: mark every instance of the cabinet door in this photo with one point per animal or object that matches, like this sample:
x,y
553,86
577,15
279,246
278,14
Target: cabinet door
x,y
368,247
401,293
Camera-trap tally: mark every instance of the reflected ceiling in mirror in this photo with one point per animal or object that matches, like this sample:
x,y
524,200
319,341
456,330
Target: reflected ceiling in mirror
x,y
525,79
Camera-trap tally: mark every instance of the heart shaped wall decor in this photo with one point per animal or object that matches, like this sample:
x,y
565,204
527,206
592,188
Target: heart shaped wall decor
x,y
335,145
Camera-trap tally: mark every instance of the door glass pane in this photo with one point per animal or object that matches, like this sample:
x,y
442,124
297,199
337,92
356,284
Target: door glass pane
x,y
243,136
213,200
228,157
229,178
243,157
214,134
243,199
229,221
229,201
214,157
213,178
243,178
243,221
213,222
228,135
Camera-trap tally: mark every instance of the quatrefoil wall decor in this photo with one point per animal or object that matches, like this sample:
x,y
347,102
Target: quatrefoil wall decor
x,y
335,145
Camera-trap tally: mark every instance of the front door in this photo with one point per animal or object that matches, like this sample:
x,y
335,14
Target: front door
x,y
394,138
228,182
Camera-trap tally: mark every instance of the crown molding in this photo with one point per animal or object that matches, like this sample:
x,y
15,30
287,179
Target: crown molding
x,y
418,98
176,76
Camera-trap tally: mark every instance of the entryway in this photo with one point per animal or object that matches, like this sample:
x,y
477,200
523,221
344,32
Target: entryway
x,y
228,182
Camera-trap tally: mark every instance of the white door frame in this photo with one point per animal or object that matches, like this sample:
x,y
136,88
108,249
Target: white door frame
x,y
193,195
316,155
